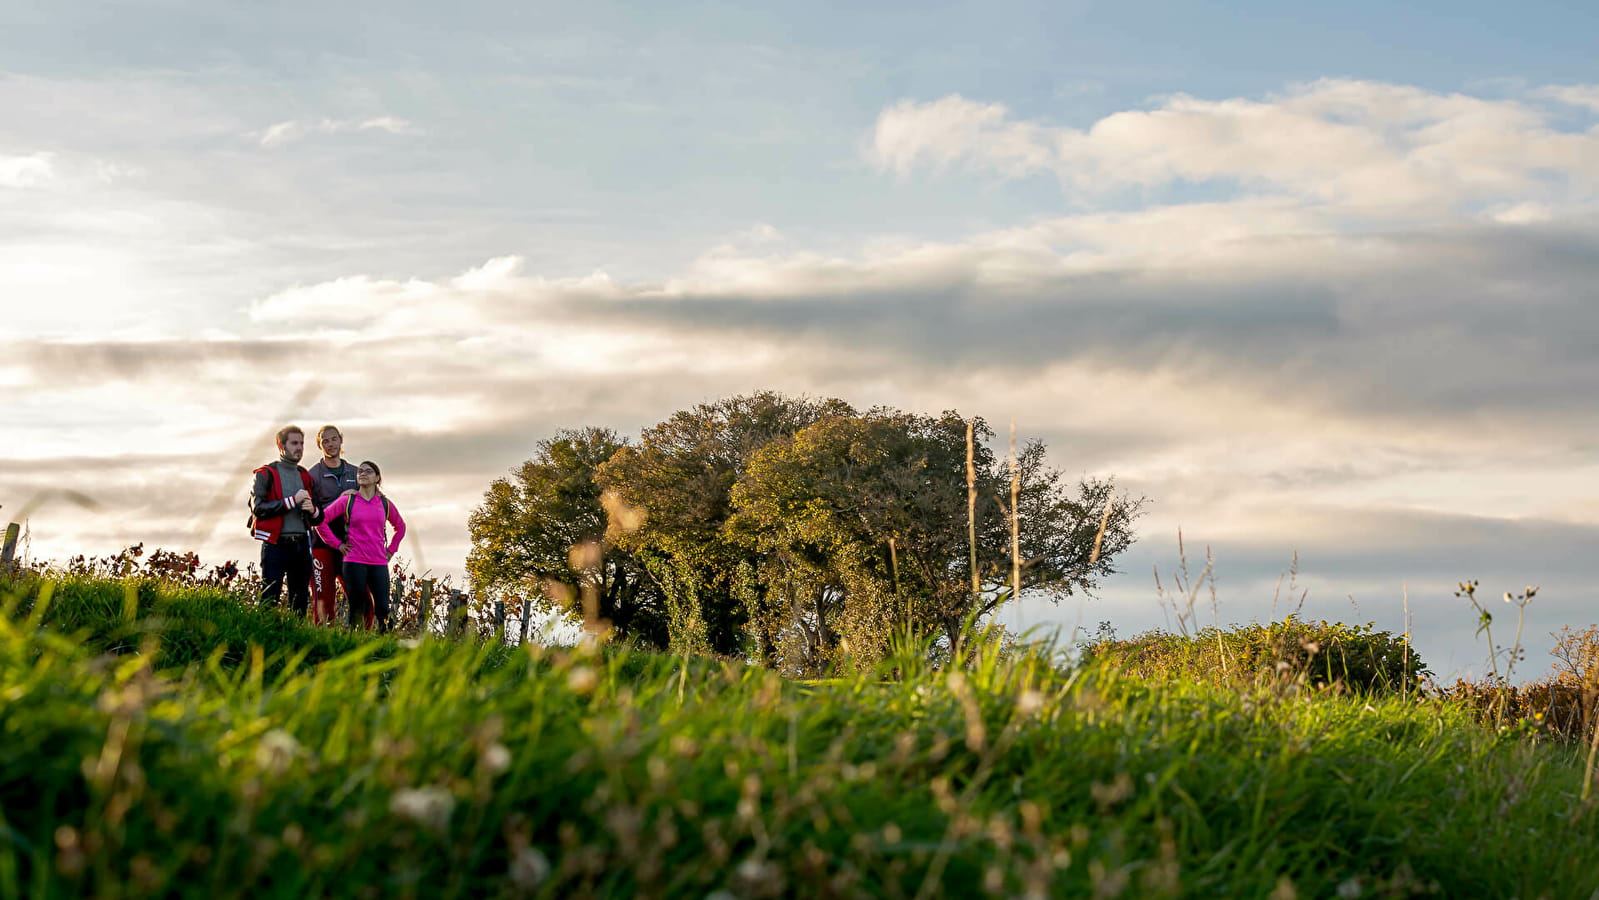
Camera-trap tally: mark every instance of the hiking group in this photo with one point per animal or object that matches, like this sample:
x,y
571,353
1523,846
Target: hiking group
x,y
324,525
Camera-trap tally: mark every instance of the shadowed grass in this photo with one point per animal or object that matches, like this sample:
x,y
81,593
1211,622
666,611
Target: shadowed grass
x,y
321,765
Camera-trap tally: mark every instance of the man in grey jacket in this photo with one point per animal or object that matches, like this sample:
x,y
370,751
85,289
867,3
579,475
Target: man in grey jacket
x,y
330,477
283,513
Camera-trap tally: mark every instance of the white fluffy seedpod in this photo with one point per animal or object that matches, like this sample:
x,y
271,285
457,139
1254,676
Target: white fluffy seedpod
x,y
429,806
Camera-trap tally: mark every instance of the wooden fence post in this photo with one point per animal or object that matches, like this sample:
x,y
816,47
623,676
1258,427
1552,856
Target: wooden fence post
x,y
457,607
9,552
424,603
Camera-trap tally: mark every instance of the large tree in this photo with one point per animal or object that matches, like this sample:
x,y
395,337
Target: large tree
x,y
544,532
681,474
863,524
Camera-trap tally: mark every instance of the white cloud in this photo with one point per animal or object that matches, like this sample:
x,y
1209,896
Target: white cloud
x,y
390,124
27,171
468,303
293,130
1584,95
1360,145
947,131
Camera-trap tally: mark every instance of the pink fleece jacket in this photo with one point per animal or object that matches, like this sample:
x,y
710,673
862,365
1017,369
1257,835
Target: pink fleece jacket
x,y
365,544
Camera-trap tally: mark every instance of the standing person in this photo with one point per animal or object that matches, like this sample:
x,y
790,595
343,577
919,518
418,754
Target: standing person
x,y
281,516
366,551
330,477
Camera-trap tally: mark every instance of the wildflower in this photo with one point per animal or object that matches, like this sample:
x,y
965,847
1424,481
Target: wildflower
x,y
429,806
496,758
1029,702
759,874
529,867
582,679
277,750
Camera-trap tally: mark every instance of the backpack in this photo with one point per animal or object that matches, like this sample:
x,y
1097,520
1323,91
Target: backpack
x,y
349,518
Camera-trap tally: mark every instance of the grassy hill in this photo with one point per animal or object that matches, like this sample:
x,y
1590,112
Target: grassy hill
x,y
165,741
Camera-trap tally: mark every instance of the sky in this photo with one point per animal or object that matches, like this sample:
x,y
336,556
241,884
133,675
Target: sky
x,y
1321,281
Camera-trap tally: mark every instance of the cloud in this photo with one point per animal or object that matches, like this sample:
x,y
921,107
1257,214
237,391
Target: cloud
x,y
293,130
952,130
60,363
1366,145
1249,298
27,171
1584,95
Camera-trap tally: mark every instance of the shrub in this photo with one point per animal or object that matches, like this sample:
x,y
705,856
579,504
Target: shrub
x,y
1561,704
1356,656
1547,706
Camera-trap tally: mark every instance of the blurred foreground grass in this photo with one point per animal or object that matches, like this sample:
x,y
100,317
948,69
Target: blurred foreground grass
x,y
162,741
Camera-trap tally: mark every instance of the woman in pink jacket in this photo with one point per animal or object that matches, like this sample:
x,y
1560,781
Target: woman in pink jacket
x,y
368,549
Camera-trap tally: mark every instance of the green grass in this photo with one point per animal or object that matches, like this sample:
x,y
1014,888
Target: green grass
x,y
149,750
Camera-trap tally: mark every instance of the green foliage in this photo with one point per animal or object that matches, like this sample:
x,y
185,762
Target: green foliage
x,y
796,532
544,532
1356,656
455,770
862,525
681,474
194,624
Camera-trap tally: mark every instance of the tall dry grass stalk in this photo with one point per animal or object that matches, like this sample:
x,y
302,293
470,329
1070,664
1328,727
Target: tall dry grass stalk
x,y
1104,522
893,563
971,510
1404,685
1015,520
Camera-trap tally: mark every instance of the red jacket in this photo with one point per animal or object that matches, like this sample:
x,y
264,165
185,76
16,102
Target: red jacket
x,y
266,518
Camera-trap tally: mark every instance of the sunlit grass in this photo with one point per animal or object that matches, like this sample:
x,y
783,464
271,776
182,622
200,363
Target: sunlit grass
x,y
176,744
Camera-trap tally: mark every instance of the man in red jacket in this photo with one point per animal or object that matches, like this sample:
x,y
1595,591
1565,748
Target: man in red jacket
x,y
283,513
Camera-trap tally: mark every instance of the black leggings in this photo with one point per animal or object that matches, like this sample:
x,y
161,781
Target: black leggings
x,y
367,587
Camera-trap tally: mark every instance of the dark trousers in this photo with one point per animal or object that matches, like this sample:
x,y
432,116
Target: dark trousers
x,y
367,587
287,561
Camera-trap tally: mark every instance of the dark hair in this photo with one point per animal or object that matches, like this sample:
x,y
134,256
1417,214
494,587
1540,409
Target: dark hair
x,y
285,431
375,470
324,430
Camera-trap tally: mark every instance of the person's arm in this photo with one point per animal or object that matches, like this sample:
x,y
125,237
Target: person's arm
x,y
260,506
324,528
313,516
399,529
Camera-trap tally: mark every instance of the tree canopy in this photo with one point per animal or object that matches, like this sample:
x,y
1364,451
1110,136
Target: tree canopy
x,y
796,532
544,532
